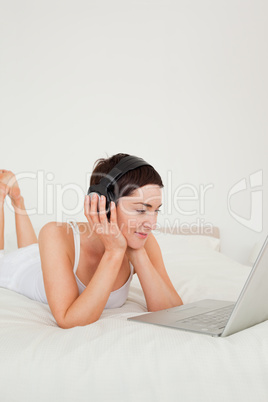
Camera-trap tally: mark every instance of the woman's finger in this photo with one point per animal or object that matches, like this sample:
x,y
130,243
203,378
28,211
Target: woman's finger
x,y
86,205
94,214
87,209
113,216
102,213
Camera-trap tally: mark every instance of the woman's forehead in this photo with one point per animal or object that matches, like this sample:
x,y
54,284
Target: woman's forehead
x,y
150,192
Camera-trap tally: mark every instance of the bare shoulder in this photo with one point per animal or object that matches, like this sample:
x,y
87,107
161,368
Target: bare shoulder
x,y
55,229
52,226
55,237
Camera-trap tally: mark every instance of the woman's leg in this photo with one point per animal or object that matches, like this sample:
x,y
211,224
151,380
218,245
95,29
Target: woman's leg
x,y
24,229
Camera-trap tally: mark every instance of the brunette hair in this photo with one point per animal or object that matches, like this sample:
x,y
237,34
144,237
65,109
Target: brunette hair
x,y
130,181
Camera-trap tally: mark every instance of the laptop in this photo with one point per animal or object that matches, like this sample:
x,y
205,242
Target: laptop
x,y
217,317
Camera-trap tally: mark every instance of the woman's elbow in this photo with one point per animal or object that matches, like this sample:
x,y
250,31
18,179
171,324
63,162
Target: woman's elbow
x,y
66,323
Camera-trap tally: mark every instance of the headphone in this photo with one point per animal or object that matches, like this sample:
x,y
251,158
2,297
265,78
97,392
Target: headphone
x,y
107,183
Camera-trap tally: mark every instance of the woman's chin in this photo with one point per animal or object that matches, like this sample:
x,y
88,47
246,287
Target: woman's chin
x,y
136,242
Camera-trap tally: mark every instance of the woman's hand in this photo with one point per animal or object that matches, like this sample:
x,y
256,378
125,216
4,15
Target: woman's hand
x,y
138,257
132,253
109,232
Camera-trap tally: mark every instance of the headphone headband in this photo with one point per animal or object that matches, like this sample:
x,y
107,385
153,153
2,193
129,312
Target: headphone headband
x,y
125,165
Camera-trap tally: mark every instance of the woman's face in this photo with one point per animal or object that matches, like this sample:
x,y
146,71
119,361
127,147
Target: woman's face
x,y
137,214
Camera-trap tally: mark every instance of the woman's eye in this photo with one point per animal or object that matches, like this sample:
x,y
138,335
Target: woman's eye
x,y
142,211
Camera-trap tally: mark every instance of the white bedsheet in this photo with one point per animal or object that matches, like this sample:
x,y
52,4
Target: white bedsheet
x,y
118,360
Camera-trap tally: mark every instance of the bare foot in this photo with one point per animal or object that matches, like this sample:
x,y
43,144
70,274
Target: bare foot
x,y
8,179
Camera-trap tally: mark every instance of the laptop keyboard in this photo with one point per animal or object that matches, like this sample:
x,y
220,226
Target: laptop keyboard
x,y
211,320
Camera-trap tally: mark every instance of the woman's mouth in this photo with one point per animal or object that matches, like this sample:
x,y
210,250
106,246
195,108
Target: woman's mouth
x,y
141,235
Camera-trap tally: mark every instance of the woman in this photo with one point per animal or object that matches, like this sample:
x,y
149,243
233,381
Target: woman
x,y
82,271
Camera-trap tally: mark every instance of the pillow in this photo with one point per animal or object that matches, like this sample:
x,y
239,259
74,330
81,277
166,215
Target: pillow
x,y
186,243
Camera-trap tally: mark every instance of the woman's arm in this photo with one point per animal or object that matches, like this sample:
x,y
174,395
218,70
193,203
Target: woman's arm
x,y
68,308
148,262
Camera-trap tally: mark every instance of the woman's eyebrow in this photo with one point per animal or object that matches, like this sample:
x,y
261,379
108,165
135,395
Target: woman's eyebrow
x,y
146,205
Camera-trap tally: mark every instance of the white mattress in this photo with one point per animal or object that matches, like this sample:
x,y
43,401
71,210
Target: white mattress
x,y
118,360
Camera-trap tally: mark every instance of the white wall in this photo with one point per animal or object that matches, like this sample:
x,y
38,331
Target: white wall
x,y
182,84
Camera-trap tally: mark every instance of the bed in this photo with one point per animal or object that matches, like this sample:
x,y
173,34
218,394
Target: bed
x,y
118,360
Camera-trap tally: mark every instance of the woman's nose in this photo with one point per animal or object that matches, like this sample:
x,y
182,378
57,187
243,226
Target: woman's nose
x,y
150,222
